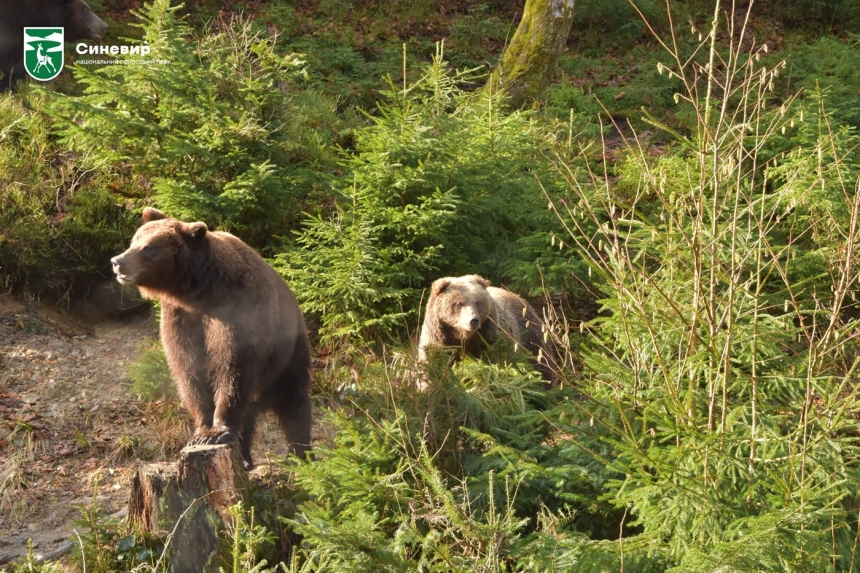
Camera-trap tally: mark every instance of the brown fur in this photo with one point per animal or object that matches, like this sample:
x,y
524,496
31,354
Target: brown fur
x,y
233,333
469,313
74,16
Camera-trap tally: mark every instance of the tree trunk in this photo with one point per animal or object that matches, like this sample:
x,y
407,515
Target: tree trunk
x,y
530,58
188,502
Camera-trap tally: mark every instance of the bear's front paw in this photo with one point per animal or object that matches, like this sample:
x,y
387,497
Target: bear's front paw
x,y
217,435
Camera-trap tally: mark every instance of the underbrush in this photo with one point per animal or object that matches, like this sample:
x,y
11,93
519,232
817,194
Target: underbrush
x,y
723,369
444,182
149,374
714,425
59,221
218,134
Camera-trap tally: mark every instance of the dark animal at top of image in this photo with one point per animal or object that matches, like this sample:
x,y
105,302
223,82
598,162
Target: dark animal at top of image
x,y
469,313
234,336
74,16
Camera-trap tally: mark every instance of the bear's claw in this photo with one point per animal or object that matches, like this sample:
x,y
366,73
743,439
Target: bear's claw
x,y
212,437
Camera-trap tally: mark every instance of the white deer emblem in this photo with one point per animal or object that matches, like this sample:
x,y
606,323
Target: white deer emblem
x,y
43,60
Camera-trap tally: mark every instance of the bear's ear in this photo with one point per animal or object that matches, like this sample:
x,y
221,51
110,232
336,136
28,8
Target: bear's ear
x,y
439,286
480,280
150,214
195,230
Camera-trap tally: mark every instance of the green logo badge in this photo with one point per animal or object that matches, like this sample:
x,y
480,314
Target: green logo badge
x,y
43,52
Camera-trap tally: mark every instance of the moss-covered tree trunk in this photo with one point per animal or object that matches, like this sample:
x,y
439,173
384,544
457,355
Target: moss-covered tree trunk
x,y
530,58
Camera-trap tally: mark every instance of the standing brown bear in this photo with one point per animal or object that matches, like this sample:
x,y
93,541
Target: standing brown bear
x,y
469,313
74,16
233,333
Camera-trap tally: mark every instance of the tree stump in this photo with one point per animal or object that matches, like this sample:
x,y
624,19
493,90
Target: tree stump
x,y
188,501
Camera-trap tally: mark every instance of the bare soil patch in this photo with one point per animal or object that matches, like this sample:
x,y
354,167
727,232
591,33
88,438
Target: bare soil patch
x,y
68,421
71,431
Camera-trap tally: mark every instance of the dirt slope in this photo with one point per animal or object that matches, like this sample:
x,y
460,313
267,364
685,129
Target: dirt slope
x,y
69,425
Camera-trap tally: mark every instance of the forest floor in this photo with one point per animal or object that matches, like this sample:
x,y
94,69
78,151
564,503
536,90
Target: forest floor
x,y
72,433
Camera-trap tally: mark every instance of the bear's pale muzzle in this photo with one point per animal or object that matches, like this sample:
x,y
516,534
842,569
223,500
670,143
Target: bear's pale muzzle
x,y
122,278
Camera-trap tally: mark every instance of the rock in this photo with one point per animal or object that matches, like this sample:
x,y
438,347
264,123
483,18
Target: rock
x,y
58,551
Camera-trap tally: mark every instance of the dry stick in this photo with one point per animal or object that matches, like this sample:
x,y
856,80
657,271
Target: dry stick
x,y
705,137
761,239
854,547
621,538
83,553
754,371
833,542
841,289
731,72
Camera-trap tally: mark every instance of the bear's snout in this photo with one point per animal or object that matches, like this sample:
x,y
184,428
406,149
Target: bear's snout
x,y
97,27
470,321
121,274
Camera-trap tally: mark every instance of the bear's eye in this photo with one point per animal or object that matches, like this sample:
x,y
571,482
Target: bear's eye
x,y
459,304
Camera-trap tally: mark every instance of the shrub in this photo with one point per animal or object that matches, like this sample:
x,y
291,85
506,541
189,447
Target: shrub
x,y
58,221
831,65
218,134
459,477
150,375
723,366
443,183
27,242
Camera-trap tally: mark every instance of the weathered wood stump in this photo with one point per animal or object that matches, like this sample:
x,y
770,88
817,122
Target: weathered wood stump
x,y
188,501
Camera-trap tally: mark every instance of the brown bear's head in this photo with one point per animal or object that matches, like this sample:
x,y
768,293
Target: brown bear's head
x,y
461,303
156,249
81,23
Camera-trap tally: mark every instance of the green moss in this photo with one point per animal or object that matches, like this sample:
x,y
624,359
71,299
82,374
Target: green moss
x,y
527,64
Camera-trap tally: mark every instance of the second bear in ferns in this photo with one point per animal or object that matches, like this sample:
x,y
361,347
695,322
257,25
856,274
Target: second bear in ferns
x,y
467,312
